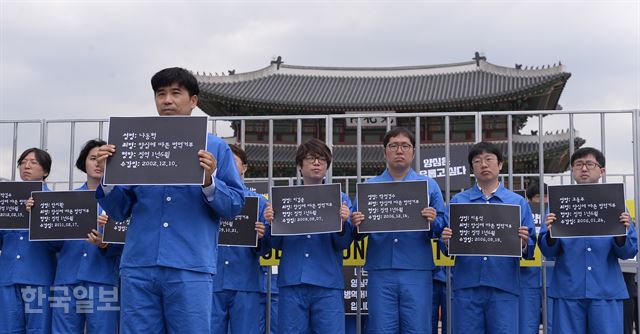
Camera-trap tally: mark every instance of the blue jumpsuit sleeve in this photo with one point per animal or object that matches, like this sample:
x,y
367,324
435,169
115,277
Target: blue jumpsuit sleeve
x,y
546,249
264,244
342,240
436,201
630,247
228,196
118,203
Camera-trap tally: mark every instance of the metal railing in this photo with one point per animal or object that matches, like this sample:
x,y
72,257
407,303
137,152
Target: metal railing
x,y
631,179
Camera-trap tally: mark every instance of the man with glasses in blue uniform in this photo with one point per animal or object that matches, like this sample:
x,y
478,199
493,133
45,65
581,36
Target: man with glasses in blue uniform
x,y
400,264
587,285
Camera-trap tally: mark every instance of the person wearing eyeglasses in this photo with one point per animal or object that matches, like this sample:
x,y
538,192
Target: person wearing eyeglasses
x,y
310,278
587,284
486,288
27,269
400,264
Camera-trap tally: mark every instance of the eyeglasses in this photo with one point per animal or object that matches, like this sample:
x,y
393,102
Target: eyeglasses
x,y
403,147
311,159
488,161
590,165
30,162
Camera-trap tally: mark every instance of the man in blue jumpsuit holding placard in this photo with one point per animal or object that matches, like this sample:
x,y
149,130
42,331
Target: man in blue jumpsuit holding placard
x,y
171,246
400,264
310,278
587,283
486,288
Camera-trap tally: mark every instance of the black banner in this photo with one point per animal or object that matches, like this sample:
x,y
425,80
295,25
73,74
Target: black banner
x,y
13,196
241,230
63,215
485,229
351,290
309,209
393,206
156,150
115,232
587,210
434,165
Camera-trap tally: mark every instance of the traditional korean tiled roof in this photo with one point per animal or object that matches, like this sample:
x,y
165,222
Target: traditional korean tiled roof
x,y
290,89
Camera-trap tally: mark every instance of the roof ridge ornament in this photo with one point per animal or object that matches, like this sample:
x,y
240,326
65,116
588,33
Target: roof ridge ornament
x,y
278,61
478,58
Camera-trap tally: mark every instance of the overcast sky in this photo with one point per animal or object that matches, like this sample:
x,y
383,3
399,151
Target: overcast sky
x,y
94,59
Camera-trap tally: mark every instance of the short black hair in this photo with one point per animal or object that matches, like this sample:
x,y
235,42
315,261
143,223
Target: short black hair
x,y
583,152
81,162
484,147
397,132
42,157
238,152
171,75
534,189
315,147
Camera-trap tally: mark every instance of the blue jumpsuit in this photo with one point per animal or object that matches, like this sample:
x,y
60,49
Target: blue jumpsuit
x,y
86,289
400,267
27,270
486,288
170,252
587,283
237,283
311,281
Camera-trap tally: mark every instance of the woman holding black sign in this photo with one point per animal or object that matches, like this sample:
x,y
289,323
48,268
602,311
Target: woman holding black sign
x,y
27,268
86,282
237,284
310,278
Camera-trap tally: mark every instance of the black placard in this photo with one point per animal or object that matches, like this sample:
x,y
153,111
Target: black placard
x,y
259,187
393,206
241,231
434,165
350,274
13,196
63,215
156,150
307,209
587,210
485,229
115,232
